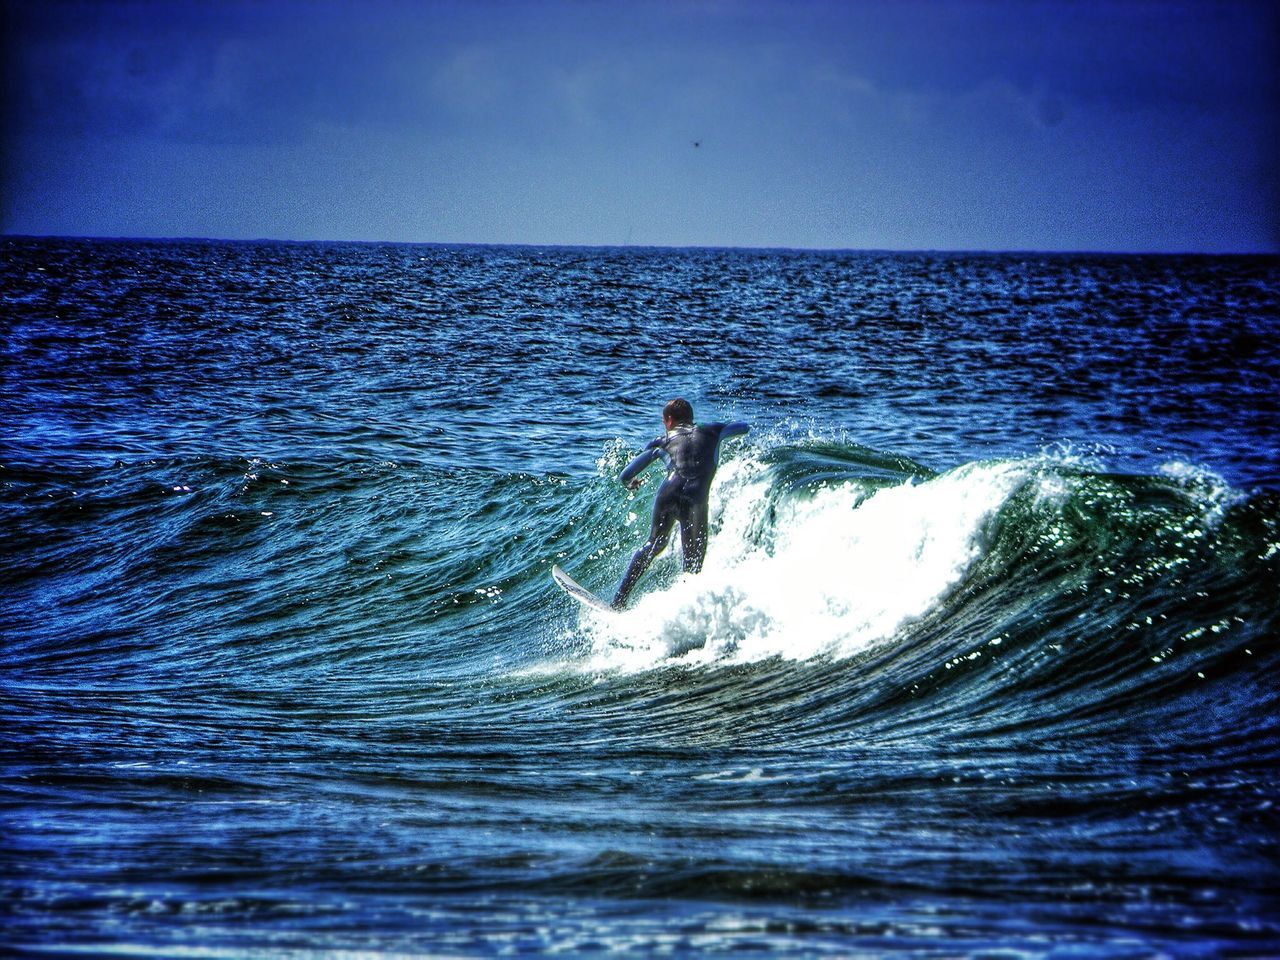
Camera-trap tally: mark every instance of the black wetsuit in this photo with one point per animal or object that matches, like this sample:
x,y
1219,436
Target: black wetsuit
x,y
691,455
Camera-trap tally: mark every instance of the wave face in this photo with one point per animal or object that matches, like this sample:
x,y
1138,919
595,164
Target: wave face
x,y
1023,599
283,671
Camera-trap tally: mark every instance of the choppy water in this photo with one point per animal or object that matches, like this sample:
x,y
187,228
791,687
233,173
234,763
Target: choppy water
x,y
983,659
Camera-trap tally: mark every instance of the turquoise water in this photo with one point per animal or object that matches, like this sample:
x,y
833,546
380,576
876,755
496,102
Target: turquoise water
x,y
982,659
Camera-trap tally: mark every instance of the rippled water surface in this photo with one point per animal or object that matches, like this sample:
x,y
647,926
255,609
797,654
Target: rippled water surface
x,y
983,658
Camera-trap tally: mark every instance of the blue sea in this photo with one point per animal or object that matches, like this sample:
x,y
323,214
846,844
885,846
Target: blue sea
x,y
983,661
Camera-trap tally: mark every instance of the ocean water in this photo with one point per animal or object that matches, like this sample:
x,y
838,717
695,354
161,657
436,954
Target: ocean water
x,y
983,660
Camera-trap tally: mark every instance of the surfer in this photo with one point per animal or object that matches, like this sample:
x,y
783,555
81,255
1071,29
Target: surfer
x,y
691,453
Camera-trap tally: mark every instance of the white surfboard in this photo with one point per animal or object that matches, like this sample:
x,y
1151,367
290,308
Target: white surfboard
x,y
576,590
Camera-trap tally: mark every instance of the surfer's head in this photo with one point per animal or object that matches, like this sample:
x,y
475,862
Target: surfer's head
x,y
677,413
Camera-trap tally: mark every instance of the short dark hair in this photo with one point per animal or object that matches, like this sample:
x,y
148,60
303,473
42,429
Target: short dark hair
x,y
678,410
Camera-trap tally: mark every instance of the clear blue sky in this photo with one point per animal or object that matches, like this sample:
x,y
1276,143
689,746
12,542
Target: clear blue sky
x,y
899,125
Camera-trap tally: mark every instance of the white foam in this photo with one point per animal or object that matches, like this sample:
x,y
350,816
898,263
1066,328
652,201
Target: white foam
x,y
843,571
1211,492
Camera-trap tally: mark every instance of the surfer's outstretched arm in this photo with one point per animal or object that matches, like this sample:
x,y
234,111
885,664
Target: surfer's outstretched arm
x,y
632,469
735,428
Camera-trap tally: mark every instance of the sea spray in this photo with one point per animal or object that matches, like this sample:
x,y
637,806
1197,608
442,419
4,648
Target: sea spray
x,y
835,571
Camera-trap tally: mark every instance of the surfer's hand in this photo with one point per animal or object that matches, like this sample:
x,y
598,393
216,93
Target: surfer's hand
x,y
634,485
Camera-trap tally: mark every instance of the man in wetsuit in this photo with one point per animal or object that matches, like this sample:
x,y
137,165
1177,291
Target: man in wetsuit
x,y
691,453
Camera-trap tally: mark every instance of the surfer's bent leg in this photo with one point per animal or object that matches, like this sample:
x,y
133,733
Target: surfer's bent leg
x,y
693,533
664,518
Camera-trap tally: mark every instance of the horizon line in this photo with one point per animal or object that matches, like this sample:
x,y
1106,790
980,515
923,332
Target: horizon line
x,y
1004,251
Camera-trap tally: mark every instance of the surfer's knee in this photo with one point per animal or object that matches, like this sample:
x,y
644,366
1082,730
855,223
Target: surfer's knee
x,y
654,547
